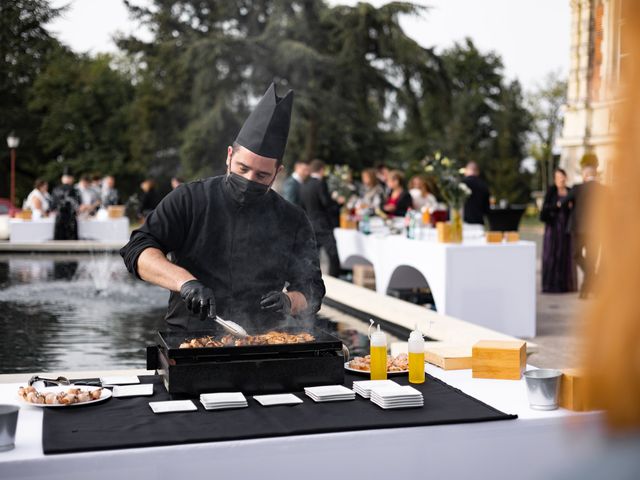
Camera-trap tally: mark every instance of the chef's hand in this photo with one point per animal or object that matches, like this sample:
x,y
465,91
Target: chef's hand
x,y
198,298
276,302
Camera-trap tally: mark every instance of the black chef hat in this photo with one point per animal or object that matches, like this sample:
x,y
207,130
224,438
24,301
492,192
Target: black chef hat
x,y
266,129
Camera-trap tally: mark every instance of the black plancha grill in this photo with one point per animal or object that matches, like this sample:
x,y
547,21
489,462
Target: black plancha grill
x,y
251,369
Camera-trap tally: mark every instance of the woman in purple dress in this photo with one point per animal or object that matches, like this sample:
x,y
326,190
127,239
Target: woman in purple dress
x,y
558,268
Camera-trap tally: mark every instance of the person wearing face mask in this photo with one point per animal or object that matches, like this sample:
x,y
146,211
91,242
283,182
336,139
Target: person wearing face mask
x,y
239,249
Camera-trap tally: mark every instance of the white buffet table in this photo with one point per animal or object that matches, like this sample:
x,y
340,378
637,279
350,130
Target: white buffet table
x,y
110,230
530,447
492,285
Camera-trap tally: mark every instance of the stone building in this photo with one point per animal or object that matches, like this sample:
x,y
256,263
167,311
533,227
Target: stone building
x,y
598,57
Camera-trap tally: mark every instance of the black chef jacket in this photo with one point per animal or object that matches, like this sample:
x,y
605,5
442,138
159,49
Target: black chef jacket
x,y
240,252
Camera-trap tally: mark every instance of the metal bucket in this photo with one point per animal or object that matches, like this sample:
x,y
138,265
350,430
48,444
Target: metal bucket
x,y
8,423
543,387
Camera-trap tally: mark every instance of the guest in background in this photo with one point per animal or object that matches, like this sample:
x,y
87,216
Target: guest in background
x,y
477,204
66,202
420,194
176,182
321,210
399,200
96,185
109,194
558,267
372,195
382,174
39,200
291,187
89,198
148,198
580,200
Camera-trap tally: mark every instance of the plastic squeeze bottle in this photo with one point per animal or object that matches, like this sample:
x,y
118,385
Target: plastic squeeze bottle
x,y
416,357
378,352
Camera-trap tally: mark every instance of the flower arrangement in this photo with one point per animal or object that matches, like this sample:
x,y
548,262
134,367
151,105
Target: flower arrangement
x,y
449,179
340,181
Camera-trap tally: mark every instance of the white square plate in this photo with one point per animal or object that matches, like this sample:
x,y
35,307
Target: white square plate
x,y
120,380
278,399
222,397
328,390
142,390
222,406
396,392
173,406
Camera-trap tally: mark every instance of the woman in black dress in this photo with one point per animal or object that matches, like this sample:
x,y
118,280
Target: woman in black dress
x,y
558,268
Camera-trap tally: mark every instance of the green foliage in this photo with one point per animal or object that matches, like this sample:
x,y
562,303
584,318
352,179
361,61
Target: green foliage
x,y
84,104
208,64
483,120
25,49
365,92
545,105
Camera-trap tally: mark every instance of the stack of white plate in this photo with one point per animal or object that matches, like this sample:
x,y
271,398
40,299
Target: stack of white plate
x,y
330,393
396,397
363,387
221,401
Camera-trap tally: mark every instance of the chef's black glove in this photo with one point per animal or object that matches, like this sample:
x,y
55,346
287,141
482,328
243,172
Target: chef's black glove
x,y
198,298
276,302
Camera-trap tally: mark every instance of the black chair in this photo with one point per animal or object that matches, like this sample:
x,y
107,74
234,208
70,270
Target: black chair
x,y
505,219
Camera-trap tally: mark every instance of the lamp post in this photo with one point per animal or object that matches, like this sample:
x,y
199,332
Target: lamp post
x,y
13,141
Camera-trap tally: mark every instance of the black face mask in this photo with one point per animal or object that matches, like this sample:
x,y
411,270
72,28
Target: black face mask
x,y
244,191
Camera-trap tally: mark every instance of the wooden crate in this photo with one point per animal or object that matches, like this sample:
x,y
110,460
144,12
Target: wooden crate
x,y
494,237
364,276
449,357
444,232
573,391
512,237
499,359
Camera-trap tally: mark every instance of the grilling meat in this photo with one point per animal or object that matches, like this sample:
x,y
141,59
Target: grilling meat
x,y
269,338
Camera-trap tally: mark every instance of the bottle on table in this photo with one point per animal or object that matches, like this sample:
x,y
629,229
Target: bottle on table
x,y
416,357
365,223
378,352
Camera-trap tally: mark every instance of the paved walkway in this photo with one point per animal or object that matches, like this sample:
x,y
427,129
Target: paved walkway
x,y
558,319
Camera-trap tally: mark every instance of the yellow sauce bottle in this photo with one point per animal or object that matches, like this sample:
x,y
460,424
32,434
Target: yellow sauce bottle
x,y
378,352
416,357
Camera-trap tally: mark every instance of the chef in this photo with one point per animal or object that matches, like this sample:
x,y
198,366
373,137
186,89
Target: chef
x,y
238,249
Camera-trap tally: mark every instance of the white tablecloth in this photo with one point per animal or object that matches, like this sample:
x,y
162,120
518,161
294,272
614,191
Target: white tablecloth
x,y
114,230
530,447
493,285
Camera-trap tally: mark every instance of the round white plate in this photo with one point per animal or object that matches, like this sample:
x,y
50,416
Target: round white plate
x,y
367,372
104,395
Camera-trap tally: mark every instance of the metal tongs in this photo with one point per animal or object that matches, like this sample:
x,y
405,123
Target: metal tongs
x,y
232,327
41,382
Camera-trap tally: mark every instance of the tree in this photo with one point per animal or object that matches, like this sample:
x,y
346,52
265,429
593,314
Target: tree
x,y
25,49
485,121
546,104
352,68
84,105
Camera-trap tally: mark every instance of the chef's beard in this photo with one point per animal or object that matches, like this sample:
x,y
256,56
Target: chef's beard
x,y
244,191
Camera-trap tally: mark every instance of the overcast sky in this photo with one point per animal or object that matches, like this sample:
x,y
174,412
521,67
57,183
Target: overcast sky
x,y
532,36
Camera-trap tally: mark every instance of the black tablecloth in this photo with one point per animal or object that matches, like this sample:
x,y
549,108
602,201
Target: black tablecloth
x,y
129,422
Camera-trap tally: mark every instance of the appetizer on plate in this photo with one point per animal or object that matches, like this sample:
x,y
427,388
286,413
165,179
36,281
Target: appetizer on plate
x,y
394,364
67,397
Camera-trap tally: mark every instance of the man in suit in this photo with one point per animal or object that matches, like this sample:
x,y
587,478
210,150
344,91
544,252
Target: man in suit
x,y
477,204
291,187
321,209
580,200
